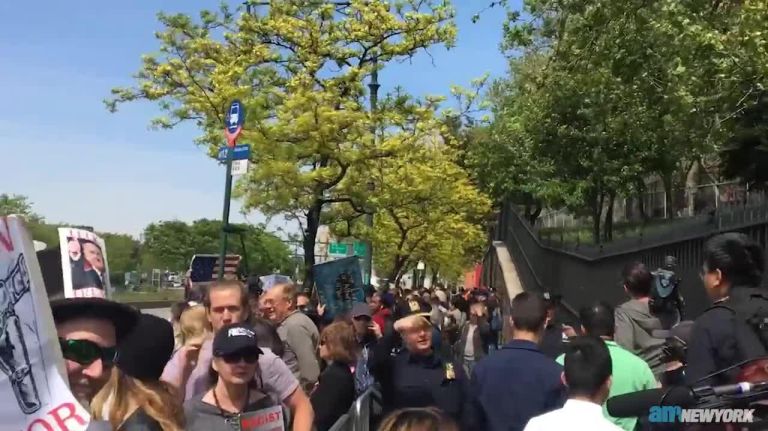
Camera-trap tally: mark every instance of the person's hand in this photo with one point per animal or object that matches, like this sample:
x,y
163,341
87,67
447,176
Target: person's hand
x,y
569,331
320,309
189,355
376,329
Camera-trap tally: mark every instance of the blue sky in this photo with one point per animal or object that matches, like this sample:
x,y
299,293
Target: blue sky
x,y
80,164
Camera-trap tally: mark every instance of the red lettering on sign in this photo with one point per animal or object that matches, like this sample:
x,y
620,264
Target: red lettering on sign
x,y
62,418
44,424
5,239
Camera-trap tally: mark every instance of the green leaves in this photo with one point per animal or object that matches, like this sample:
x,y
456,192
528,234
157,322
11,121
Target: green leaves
x,y
607,94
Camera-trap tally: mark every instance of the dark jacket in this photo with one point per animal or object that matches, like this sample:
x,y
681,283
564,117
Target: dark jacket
x,y
480,341
552,343
713,345
513,385
140,421
333,396
419,381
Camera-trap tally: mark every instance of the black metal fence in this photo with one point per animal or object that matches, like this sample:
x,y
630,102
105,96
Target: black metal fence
x,y
584,275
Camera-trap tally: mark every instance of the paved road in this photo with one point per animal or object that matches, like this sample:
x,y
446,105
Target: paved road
x,y
165,313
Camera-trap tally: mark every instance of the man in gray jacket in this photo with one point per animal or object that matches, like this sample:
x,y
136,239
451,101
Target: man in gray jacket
x,y
296,330
637,328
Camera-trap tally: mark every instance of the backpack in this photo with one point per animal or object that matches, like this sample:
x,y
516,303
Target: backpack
x,y
750,312
665,296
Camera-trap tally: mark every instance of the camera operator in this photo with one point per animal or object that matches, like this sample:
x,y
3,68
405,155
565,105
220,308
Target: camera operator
x,y
730,331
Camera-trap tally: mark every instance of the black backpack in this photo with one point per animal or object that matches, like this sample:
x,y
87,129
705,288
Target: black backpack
x,y
750,311
665,295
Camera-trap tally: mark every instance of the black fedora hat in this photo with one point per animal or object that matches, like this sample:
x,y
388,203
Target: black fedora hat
x,y
123,316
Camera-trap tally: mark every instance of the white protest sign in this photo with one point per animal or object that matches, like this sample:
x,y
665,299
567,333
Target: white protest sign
x,y
83,264
33,392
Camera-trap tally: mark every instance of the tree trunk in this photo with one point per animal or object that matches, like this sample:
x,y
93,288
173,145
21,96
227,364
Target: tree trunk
x,y
668,197
597,212
608,225
641,200
310,235
692,187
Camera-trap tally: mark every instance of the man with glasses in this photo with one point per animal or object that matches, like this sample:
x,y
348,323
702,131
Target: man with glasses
x,y
88,331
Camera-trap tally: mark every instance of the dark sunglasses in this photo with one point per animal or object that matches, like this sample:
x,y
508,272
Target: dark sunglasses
x,y
86,352
249,357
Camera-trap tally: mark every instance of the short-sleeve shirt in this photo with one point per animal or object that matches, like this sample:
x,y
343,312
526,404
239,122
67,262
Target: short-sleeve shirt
x,y
276,379
630,374
201,416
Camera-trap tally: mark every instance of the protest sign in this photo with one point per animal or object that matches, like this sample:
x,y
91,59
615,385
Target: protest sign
x,y
339,284
83,264
269,419
33,391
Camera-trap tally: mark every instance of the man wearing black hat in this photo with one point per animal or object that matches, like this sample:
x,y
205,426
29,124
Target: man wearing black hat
x,y
89,330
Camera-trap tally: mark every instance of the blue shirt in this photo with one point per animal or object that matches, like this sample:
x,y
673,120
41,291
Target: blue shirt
x,y
513,385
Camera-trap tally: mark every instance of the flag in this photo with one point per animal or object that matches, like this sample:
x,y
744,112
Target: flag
x,y
205,267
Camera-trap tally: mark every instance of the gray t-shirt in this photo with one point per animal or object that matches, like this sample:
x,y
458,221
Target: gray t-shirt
x,y
201,416
277,380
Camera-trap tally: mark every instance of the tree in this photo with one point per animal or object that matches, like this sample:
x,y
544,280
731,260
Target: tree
x,y
122,255
19,205
171,245
596,113
299,69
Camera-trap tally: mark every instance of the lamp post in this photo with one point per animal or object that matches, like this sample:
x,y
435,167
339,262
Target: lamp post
x,y
373,86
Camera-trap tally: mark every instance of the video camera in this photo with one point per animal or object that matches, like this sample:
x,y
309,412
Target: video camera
x,y
741,395
665,294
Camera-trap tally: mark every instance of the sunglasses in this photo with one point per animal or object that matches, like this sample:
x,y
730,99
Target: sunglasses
x,y
249,357
86,352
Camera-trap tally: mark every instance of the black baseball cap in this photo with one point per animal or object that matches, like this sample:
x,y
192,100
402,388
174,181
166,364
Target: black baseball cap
x,y
122,316
234,338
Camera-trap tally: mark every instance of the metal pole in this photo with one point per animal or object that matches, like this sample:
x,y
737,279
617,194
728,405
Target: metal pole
x,y
225,216
373,86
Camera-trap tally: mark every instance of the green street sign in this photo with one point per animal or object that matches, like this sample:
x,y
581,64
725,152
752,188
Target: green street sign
x,y
338,249
360,249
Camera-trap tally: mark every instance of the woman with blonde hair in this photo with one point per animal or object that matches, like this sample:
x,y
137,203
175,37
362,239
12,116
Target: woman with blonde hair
x,y
134,398
423,419
335,390
194,327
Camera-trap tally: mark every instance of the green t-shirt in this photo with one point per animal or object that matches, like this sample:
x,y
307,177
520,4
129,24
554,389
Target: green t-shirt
x,y
630,374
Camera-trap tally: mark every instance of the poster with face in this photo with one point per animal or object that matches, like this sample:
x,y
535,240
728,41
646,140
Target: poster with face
x,y
33,390
83,264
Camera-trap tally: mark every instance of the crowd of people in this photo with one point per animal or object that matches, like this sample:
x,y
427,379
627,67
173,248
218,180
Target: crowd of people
x,y
436,359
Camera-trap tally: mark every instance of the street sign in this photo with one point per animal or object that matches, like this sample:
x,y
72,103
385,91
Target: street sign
x,y
240,152
360,249
234,122
239,167
338,249
235,116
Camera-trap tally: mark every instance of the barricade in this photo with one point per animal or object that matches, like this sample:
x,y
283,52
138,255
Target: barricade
x,y
365,407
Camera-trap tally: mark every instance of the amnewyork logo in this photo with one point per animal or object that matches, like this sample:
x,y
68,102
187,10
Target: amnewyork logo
x,y
670,414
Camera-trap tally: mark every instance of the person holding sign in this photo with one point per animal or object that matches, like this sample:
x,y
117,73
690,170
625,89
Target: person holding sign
x,y
89,330
234,402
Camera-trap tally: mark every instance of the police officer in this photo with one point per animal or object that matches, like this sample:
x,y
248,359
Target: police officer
x,y
416,376
732,275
